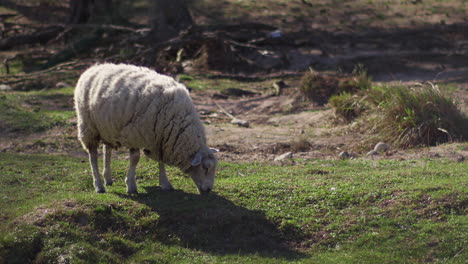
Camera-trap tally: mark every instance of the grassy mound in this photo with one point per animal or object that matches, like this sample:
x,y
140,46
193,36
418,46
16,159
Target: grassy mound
x,y
313,212
71,230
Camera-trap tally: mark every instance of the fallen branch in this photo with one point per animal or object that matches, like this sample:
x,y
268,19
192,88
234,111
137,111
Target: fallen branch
x,y
82,44
64,69
104,26
34,38
51,69
237,121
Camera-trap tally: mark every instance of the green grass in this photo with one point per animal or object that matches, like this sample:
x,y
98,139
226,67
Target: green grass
x,y
352,211
15,67
35,111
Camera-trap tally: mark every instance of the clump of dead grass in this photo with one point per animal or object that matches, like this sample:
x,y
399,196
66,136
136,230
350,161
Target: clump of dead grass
x,y
414,116
348,106
319,87
406,116
300,144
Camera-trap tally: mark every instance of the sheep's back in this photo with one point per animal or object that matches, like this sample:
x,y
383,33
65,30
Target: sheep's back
x,y
125,103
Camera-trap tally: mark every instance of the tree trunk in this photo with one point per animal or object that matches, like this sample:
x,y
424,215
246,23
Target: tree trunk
x,y
84,11
168,19
80,11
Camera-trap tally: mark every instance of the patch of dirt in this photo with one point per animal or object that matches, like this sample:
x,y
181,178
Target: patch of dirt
x,y
278,124
39,215
58,140
417,47
308,134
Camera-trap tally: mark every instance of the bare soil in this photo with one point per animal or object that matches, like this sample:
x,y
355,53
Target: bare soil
x,y
396,43
314,133
280,124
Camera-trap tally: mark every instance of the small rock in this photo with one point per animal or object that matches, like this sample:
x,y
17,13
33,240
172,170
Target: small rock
x,y
240,122
274,34
5,87
372,153
344,155
283,156
62,85
381,147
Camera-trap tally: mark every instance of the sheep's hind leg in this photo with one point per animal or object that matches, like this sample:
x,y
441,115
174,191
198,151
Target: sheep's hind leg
x,y
130,180
93,160
163,181
107,164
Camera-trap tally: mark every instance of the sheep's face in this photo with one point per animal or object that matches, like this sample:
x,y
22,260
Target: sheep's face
x,y
203,170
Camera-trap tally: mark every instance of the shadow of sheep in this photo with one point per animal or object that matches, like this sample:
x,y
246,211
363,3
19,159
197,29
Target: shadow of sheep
x,y
211,223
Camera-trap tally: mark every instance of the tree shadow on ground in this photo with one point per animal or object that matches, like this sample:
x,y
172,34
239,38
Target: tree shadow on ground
x,y
211,223
38,11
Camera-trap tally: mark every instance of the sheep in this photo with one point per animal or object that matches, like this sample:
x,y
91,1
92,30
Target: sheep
x,y
137,108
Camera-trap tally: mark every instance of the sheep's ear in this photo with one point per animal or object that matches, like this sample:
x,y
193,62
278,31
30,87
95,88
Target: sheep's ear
x,y
213,150
208,163
197,159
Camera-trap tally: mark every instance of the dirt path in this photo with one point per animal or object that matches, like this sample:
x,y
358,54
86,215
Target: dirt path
x,y
308,134
279,124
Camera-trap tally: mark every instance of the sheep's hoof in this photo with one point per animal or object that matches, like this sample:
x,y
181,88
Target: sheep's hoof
x,y
101,190
109,183
167,188
132,191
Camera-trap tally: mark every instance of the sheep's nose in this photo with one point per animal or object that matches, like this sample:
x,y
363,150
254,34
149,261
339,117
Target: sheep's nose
x,y
206,191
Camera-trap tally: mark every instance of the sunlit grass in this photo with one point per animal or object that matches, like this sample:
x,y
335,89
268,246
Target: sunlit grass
x,y
35,111
312,212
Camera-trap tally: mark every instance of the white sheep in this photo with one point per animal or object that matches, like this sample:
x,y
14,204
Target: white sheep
x,y
135,107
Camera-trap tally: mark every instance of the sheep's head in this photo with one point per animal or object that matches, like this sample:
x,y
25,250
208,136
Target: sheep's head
x,y
203,169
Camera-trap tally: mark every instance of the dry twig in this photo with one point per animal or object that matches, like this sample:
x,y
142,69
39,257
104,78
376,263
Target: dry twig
x,y
237,121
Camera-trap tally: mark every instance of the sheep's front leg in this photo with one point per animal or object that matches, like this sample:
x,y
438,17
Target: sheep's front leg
x,y
107,162
130,180
93,160
163,181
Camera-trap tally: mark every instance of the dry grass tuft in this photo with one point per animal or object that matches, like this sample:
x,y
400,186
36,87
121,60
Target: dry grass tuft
x,y
319,87
418,116
406,116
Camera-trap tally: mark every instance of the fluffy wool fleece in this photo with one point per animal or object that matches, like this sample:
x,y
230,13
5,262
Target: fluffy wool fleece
x,y
135,107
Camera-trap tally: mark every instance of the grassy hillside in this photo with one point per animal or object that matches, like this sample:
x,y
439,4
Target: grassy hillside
x,y
403,206
355,211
